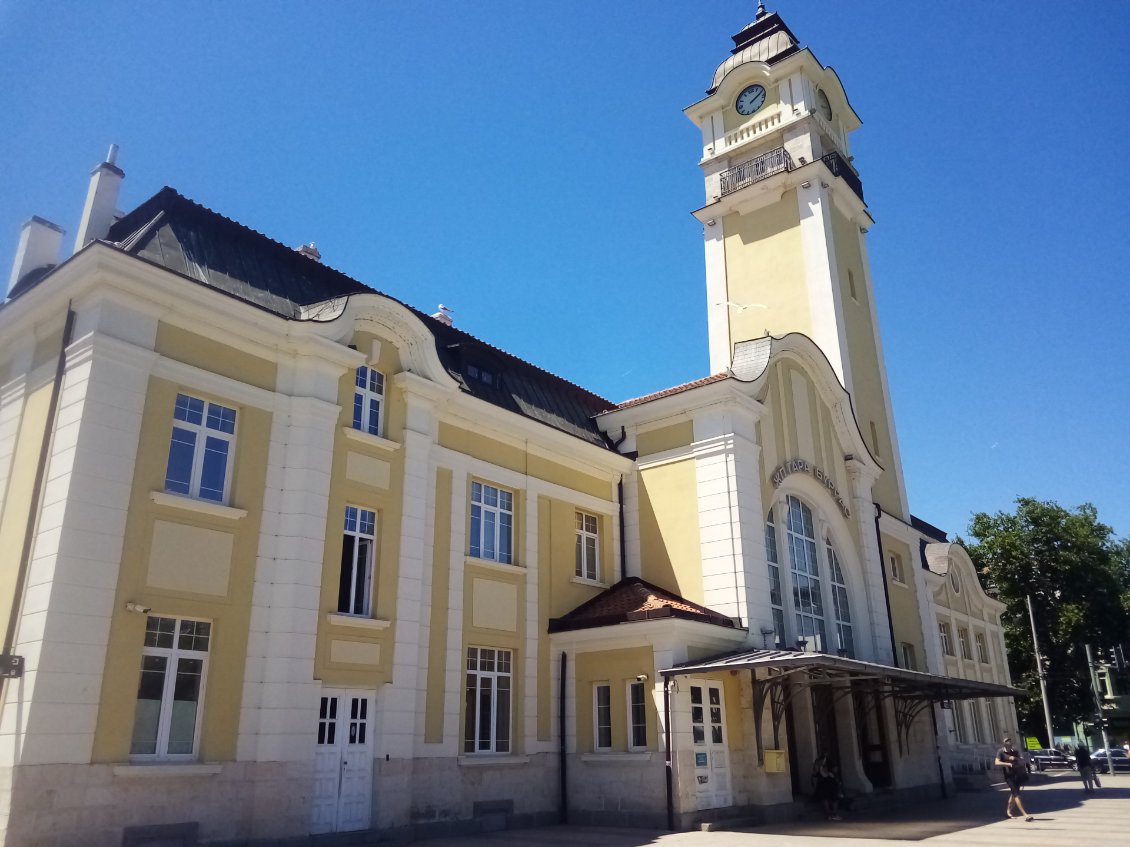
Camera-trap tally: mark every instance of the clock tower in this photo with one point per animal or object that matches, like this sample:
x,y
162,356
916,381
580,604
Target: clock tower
x,y
785,223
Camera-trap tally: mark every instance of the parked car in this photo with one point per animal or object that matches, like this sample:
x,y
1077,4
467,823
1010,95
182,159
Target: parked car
x,y
1118,758
1044,760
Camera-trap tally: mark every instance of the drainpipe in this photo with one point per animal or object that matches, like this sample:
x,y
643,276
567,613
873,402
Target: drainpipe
x,y
667,744
938,751
37,492
886,588
561,729
623,539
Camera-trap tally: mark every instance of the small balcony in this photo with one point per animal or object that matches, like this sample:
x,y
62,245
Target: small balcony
x,y
755,170
840,167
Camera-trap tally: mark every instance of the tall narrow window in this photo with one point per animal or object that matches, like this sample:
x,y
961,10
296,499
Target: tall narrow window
x,y
492,523
963,640
174,660
369,401
487,718
358,551
602,716
807,600
776,600
845,644
588,546
851,286
896,567
875,439
909,660
982,650
637,716
200,449
978,727
947,638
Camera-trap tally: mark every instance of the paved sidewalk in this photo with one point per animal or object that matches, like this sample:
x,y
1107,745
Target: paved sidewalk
x,y
1065,815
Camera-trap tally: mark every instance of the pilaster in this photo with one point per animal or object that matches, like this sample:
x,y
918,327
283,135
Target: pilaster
x,y
874,575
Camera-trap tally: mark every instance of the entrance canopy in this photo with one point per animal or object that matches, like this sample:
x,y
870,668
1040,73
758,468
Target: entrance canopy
x,y
825,668
785,673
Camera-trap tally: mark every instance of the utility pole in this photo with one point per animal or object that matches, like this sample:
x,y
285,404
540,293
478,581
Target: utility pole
x,y
1099,707
1041,672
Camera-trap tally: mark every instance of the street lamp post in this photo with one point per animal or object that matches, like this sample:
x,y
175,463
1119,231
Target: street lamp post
x,y
1098,707
1041,672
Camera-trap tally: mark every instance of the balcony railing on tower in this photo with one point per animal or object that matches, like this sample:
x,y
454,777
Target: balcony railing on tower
x,y
839,166
755,170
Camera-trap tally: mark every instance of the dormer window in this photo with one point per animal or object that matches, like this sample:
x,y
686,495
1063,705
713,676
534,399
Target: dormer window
x,y
483,375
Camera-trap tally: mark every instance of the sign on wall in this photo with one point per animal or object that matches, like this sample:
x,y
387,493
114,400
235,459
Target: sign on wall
x,y
792,466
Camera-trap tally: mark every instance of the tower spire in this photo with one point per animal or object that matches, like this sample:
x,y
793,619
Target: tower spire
x,y
761,10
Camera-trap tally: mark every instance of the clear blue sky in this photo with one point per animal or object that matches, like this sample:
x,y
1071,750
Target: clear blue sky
x,y
528,164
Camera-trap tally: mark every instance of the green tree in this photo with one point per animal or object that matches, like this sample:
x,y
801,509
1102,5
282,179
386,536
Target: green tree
x,y
1078,576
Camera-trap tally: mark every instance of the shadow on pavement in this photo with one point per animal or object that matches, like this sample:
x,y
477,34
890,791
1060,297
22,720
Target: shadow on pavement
x,y
930,818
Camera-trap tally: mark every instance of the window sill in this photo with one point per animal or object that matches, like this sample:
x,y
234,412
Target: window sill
x,y
490,564
617,757
369,440
592,583
168,769
476,760
356,621
192,504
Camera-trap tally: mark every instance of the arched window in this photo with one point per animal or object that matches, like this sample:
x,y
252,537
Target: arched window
x,y
808,602
776,600
845,644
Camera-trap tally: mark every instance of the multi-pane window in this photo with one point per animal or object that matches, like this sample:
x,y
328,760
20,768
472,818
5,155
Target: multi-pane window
x,y
588,546
963,640
808,602
486,727
200,449
174,660
637,716
947,638
845,644
978,726
358,552
602,716
492,523
909,660
776,600
369,401
982,650
896,567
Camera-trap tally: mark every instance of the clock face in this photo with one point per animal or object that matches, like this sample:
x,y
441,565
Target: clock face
x,y
823,106
750,100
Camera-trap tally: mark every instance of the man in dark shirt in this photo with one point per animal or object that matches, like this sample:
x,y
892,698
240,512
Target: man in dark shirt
x,y
1015,775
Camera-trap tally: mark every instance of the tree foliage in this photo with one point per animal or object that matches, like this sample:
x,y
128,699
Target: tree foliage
x,y
1078,576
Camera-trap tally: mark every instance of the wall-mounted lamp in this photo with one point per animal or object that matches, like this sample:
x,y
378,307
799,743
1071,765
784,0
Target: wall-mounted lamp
x,y
802,644
137,607
711,222
766,631
641,677
806,184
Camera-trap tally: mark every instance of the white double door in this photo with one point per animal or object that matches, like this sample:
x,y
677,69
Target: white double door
x,y
708,741
343,762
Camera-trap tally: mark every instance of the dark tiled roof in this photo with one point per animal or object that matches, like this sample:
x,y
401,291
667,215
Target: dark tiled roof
x,y
686,386
630,600
928,529
174,232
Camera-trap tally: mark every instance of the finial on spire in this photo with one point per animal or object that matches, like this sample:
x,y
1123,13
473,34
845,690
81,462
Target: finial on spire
x,y
761,10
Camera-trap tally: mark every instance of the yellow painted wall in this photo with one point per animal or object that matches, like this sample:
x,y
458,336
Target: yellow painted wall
x,y
665,438
16,503
557,557
904,599
382,493
617,668
868,400
188,347
764,265
229,613
47,347
669,533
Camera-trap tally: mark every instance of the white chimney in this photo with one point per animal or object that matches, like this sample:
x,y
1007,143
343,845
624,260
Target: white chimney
x,y
309,251
101,200
40,241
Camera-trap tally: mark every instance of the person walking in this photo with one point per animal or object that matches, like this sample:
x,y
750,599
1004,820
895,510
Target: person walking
x,y
1086,769
1015,775
826,787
